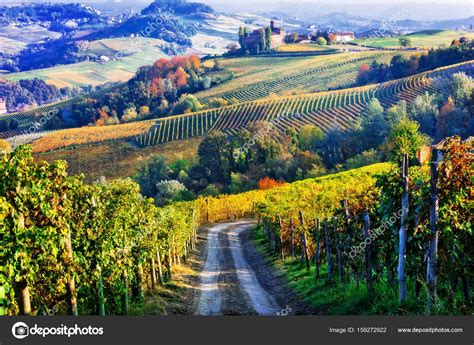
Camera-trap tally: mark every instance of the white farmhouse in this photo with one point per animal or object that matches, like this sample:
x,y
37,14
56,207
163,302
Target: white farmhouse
x,y
343,37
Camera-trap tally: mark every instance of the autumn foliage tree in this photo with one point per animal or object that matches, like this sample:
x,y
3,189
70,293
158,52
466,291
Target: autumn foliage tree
x,y
157,87
269,183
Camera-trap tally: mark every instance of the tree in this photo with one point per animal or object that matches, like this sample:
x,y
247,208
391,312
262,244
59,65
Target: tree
x,y
186,104
331,148
374,126
144,111
5,147
168,191
262,45
241,38
321,41
405,42
396,113
150,174
129,115
363,159
404,138
425,111
269,39
310,137
214,155
269,183
364,75
461,87
217,65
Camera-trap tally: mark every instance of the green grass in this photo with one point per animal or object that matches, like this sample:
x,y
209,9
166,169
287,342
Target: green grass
x,y
421,40
351,297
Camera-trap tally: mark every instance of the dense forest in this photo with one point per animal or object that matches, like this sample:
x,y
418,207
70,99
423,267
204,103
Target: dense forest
x,y
31,92
50,12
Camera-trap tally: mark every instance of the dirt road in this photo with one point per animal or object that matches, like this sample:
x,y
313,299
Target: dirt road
x,y
236,280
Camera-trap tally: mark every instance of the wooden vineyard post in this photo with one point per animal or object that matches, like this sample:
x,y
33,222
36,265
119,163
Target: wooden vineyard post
x,y
304,250
207,210
185,254
125,301
433,242
193,238
340,262
71,284
292,240
100,289
160,269
328,248
317,237
23,296
402,247
349,231
168,264
368,251
153,273
140,291
280,241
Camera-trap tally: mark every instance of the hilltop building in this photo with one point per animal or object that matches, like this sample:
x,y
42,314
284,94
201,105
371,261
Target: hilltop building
x,y
251,42
344,37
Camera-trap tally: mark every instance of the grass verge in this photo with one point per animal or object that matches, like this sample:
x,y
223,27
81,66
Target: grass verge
x,y
351,296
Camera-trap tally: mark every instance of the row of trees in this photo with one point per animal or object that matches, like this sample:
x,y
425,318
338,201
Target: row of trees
x,y
400,66
255,42
82,249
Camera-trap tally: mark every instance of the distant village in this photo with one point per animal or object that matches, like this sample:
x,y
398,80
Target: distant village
x,y
266,39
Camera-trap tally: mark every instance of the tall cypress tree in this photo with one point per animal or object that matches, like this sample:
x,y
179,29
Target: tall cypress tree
x,y
241,37
263,41
269,39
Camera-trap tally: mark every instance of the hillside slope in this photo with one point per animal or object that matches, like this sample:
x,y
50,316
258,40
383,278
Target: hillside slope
x,y
325,110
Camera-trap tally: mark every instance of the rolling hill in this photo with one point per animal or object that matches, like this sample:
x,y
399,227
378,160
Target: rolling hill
x,y
340,108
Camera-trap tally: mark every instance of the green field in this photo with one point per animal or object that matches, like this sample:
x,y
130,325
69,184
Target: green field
x,y
94,73
421,40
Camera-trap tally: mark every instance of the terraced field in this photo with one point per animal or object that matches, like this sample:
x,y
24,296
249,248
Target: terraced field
x,y
339,108
87,135
299,75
